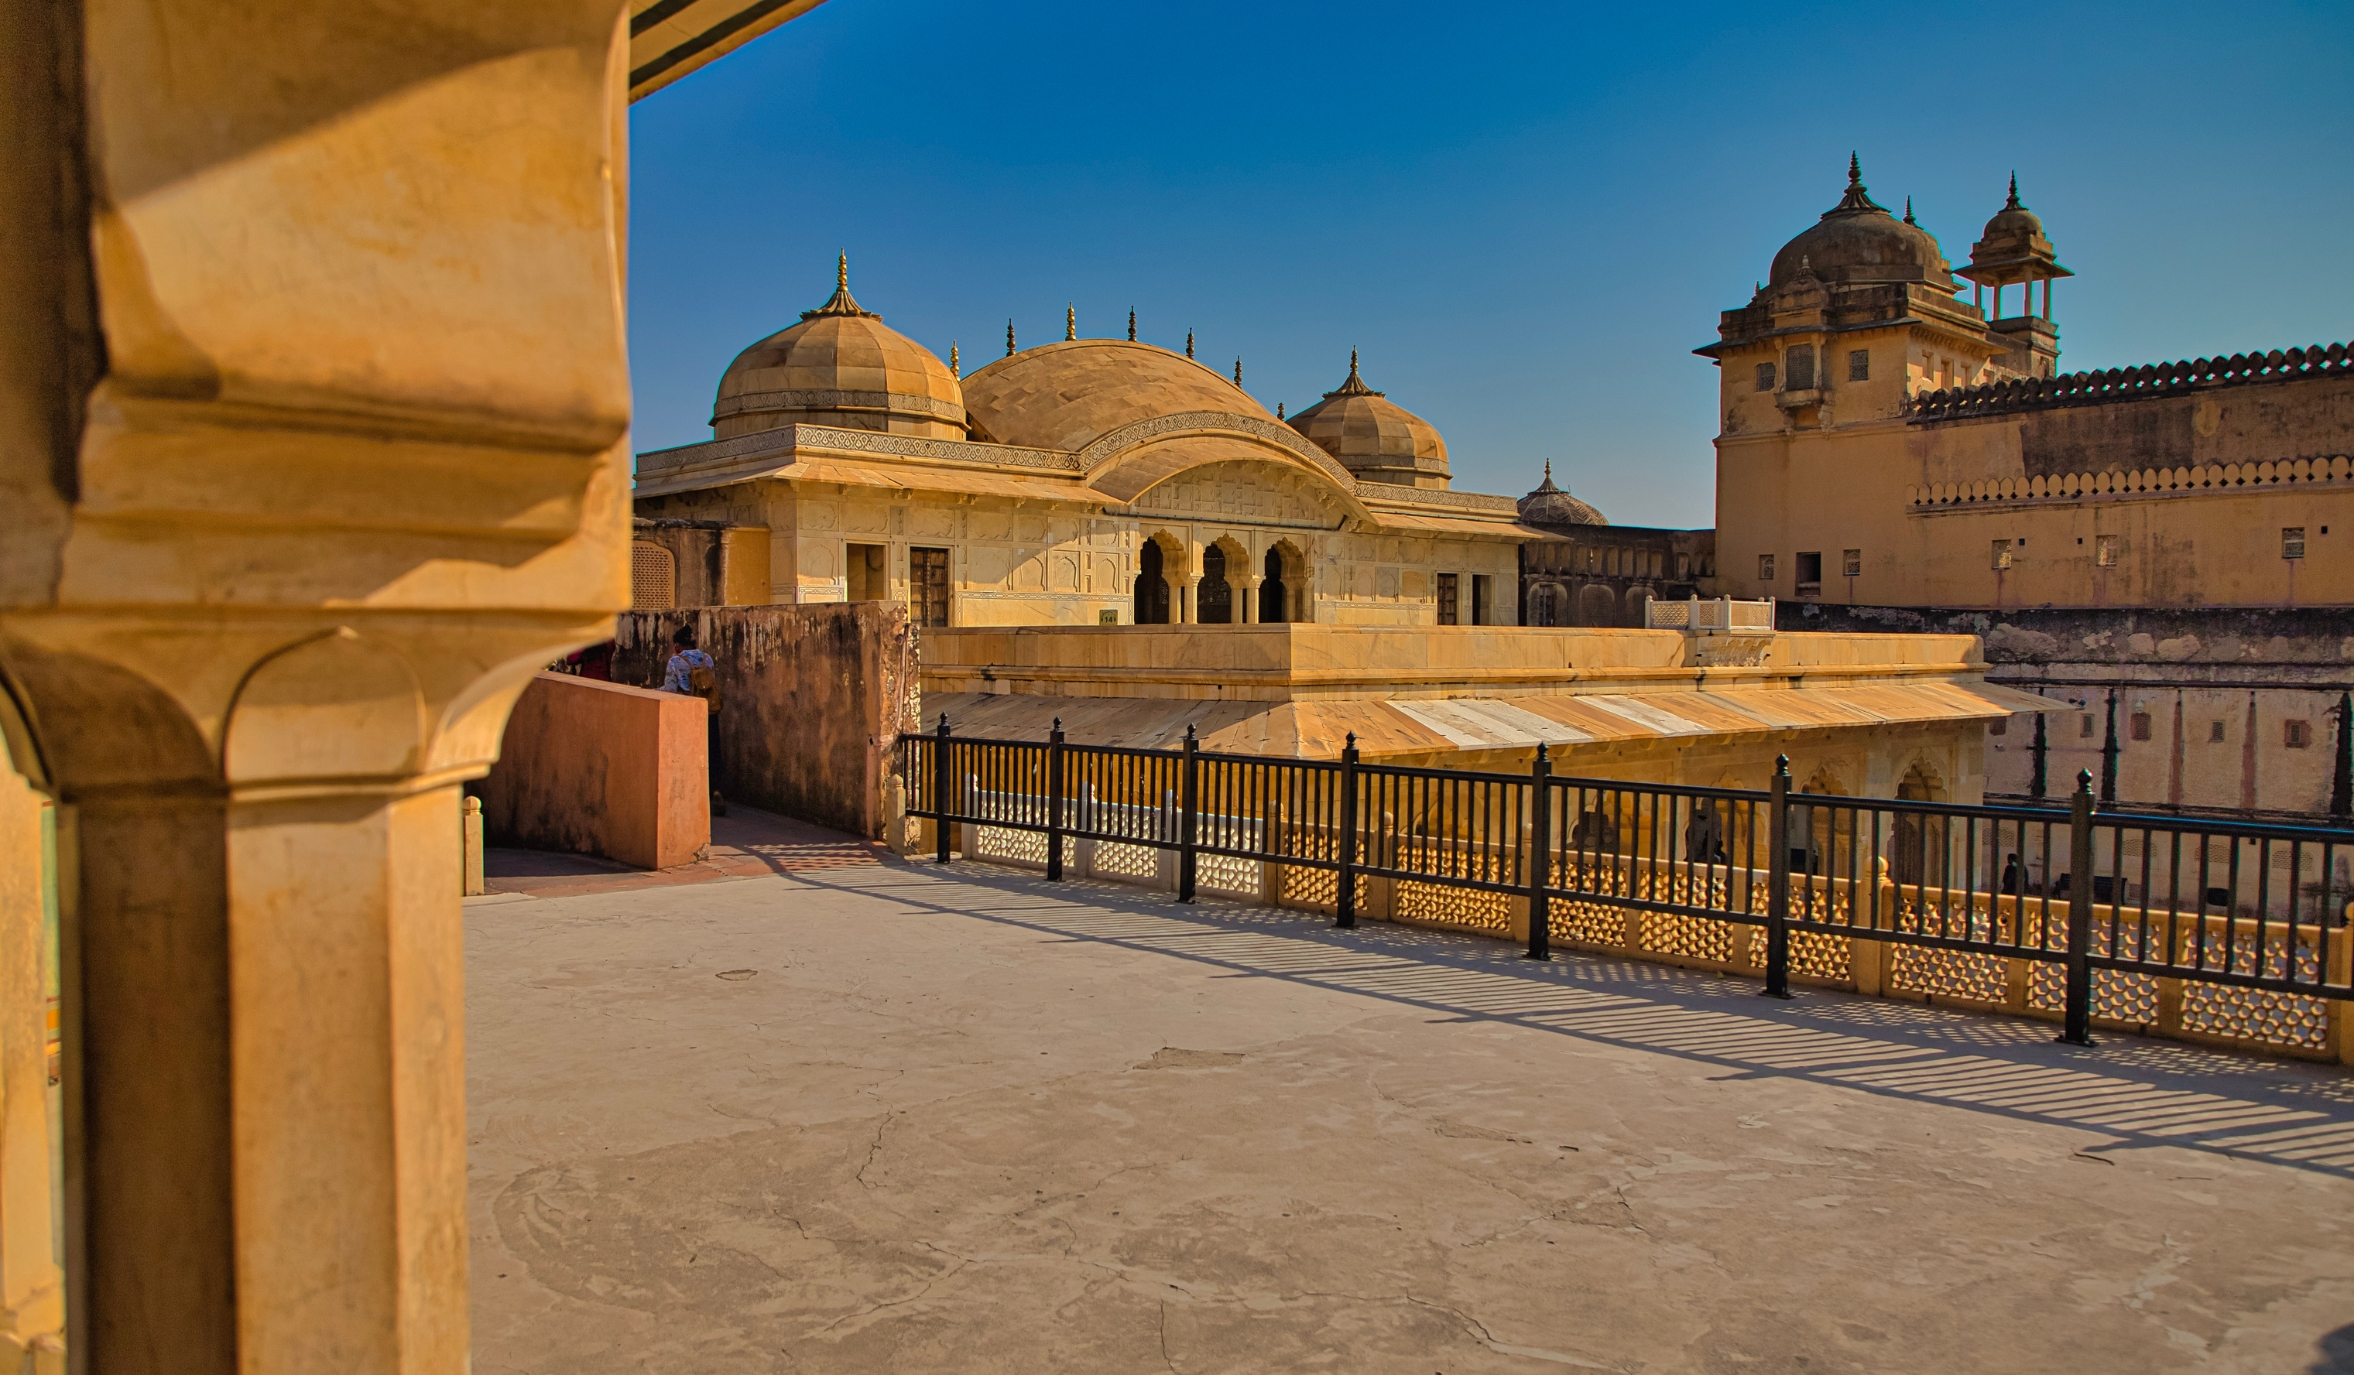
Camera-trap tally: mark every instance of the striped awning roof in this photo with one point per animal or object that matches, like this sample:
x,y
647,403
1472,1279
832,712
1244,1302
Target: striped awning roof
x,y
1572,724
669,38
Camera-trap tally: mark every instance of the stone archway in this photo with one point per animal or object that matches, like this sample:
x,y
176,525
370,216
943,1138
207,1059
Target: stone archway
x,y
1284,585
1219,600
1545,603
1152,585
1918,843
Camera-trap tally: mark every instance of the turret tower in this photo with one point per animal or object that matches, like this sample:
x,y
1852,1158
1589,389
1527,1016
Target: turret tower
x,y
2013,250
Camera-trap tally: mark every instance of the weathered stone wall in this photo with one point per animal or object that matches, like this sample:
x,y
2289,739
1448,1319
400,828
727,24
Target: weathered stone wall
x,y
2222,710
2217,542
601,769
814,700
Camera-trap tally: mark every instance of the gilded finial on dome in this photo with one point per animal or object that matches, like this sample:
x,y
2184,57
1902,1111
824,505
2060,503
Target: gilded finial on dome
x,y
1009,338
840,303
1189,343
1353,385
1278,410
1908,211
2013,202
1548,462
955,365
1131,326
1238,371
1070,322
1857,201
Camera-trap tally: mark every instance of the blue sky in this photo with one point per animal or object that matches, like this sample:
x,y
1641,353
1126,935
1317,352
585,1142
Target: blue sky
x,y
1524,215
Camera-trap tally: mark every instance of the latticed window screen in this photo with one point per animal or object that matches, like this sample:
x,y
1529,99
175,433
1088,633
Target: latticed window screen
x,y
1447,595
653,577
1859,365
1800,364
927,586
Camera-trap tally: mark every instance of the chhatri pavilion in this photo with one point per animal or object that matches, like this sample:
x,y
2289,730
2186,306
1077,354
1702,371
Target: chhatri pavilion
x,y
1085,482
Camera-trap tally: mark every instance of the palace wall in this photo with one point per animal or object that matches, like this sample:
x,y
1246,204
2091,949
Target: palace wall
x,y
1019,561
2204,709
2174,498
812,700
601,769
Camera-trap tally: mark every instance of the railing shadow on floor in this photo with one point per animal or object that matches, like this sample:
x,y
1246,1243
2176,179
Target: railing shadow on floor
x,y
2138,1091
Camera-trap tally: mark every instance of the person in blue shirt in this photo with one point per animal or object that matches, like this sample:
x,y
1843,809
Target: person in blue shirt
x,y
680,675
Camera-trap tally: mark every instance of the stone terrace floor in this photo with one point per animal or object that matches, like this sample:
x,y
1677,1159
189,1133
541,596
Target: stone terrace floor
x,y
810,1109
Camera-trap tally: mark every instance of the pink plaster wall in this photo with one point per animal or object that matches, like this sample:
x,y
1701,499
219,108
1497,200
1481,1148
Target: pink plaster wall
x,y
601,769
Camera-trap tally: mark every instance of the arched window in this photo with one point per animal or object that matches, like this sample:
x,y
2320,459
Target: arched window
x,y
1920,843
1152,588
653,577
1283,593
1596,606
1214,599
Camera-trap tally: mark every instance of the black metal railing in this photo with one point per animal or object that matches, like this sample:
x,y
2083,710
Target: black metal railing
x,y
2256,906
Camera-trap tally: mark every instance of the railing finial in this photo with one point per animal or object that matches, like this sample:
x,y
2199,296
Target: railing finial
x,y
1189,730
1543,754
2084,780
1782,765
1351,742
944,723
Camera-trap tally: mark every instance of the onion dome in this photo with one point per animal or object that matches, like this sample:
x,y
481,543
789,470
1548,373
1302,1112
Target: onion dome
x,y
1859,241
1549,505
840,367
1376,439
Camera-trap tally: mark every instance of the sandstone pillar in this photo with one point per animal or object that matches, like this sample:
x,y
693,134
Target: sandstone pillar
x,y
313,431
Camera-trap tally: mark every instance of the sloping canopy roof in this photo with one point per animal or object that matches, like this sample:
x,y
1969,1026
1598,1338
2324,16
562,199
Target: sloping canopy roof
x,y
1580,728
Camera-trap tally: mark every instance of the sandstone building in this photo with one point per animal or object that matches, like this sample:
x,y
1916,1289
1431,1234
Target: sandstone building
x,y
1599,574
2153,543
1086,482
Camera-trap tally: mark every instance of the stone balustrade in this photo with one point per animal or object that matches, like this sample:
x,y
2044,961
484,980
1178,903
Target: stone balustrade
x,y
2209,479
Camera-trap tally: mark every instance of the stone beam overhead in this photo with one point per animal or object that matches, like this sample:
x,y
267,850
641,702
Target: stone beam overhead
x,y
670,38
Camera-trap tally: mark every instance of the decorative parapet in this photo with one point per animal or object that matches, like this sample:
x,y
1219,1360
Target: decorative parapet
x,y
786,438
2210,479
1401,495
2130,384
1713,616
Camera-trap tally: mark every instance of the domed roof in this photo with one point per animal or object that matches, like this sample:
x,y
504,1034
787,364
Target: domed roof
x,y
1549,505
2013,220
2013,248
1859,241
1374,437
1067,395
840,367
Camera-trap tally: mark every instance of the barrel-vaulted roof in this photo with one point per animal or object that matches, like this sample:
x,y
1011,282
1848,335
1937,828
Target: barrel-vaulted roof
x,y
1067,395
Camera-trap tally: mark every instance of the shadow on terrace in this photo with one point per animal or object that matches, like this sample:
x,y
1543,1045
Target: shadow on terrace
x,y
2140,1092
